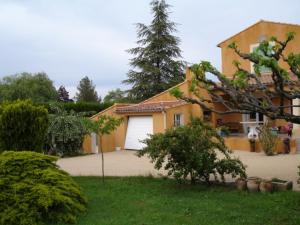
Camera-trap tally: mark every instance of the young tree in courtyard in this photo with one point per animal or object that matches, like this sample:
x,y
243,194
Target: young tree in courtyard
x,y
245,92
86,91
155,63
103,125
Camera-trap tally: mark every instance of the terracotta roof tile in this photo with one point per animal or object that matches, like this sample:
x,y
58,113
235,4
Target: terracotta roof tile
x,y
267,79
150,107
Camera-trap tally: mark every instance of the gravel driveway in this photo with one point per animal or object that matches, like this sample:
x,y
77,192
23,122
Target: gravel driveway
x,y
126,163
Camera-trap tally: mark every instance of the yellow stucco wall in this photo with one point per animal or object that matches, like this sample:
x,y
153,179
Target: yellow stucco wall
x,y
166,96
87,144
240,143
252,35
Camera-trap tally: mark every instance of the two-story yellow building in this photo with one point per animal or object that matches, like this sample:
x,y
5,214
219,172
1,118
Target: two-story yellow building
x,y
164,111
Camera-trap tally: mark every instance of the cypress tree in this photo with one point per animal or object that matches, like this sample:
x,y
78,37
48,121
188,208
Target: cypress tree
x,y
156,64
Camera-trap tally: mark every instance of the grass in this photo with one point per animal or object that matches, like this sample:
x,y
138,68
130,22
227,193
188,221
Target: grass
x,y
145,201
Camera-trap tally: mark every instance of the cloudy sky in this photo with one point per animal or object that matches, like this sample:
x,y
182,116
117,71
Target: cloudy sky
x,y
69,39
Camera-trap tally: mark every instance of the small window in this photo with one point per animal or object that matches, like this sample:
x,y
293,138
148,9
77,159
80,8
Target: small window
x,y
207,115
178,120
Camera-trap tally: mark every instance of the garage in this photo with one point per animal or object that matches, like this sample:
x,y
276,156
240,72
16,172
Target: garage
x,y
138,129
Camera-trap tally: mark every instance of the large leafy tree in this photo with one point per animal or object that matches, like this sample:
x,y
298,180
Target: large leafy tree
x,y
86,91
37,87
155,63
115,96
65,133
245,92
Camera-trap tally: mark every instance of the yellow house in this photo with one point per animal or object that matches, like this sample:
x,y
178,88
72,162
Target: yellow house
x,y
164,111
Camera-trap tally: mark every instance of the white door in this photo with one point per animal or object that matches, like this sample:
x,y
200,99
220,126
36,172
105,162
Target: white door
x,y
138,129
94,143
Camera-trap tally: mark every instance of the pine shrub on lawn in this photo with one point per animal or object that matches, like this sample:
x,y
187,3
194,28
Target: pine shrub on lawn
x,y
23,126
33,190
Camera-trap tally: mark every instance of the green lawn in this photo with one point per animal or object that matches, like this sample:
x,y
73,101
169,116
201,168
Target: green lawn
x,y
144,201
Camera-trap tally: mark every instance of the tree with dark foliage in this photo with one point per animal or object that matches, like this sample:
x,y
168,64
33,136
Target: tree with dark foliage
x,y
245,92
63,94
155,64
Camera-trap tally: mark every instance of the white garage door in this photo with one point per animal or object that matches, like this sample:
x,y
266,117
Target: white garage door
x,y
138,129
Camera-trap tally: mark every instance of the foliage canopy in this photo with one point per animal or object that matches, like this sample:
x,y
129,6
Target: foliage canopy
x,y
37,87
65,133
194,151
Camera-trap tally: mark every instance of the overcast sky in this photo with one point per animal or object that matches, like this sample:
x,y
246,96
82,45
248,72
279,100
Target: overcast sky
x,y
69,39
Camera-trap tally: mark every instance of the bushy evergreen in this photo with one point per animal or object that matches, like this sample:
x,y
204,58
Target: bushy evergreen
x,y
23,126
33,191
87,91
155,63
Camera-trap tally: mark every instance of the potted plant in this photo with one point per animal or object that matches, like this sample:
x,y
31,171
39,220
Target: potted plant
x,y
253,184
223,131
241,184
274,131
267,140
266,186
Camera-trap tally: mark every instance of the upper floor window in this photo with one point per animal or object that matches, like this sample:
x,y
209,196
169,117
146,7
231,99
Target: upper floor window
x,y
178,120
254,48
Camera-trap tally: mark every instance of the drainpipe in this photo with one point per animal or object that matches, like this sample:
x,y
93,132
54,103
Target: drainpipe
x,y
165,119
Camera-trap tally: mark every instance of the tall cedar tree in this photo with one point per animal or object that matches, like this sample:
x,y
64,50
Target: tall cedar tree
x,y
63,94
86,91
155,65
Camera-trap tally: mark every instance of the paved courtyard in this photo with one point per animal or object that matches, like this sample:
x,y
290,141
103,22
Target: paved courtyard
x,y
126,163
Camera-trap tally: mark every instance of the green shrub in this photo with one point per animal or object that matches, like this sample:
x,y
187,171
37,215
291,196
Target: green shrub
x,y
65,133
33,190
267,140
194,151
23,126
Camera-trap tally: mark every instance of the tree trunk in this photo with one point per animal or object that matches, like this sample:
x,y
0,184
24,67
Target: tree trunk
x,y
102,157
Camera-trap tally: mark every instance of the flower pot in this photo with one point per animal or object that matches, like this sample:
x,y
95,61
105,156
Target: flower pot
x,y
253,184
266,186
282,185
241,184
252,145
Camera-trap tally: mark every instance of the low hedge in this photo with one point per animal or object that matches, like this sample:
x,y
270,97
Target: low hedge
x,y
33,190
79,107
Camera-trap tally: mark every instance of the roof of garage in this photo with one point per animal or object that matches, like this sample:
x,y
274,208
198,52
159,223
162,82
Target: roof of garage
x,y
150,107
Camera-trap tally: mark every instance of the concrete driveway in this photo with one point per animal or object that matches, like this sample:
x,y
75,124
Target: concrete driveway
x,y
126,163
